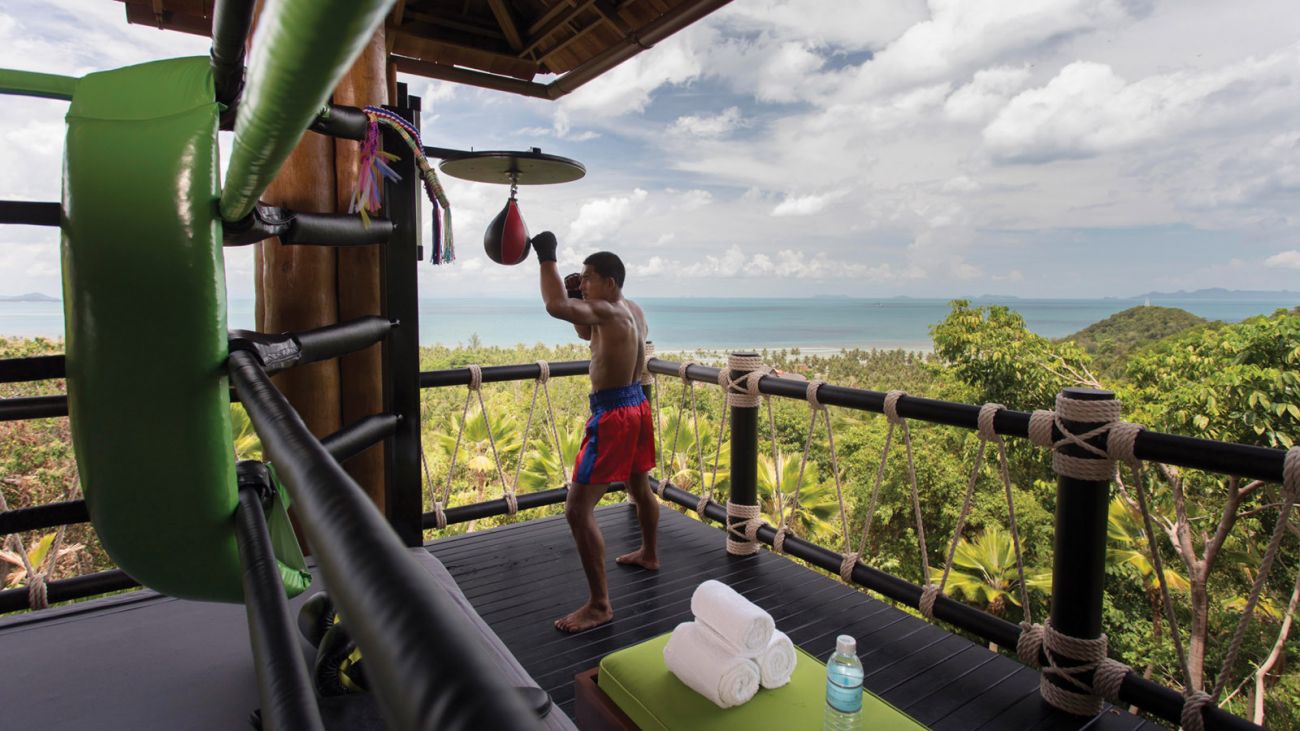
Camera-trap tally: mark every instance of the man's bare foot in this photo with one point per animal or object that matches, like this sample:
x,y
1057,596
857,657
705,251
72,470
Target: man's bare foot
x,y
583,618
636,558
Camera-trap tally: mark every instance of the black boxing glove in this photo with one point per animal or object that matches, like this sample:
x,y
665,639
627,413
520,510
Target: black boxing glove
x,y
544,244
573,284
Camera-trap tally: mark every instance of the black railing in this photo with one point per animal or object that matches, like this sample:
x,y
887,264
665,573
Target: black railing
x,y
1078,616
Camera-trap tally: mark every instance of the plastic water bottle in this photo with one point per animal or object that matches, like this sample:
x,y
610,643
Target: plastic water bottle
x,y
844,686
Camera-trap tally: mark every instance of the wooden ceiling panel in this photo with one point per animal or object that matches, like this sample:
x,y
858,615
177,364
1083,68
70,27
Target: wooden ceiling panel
x,y
513,38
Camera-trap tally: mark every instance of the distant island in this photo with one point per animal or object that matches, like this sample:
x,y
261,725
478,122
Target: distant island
x,y
1219,293
29,297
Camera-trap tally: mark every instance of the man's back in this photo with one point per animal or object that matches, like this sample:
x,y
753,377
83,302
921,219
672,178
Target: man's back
x,y
618,347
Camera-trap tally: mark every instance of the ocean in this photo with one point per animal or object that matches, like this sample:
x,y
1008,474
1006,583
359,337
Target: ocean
x,y
813,325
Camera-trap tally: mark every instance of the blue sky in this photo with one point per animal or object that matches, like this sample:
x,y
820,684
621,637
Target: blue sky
x,y
1068,148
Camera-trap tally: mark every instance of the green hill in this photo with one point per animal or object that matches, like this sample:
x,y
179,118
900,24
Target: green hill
x,y
1110,341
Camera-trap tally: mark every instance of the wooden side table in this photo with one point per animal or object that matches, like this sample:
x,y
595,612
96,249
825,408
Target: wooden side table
x,y
593,709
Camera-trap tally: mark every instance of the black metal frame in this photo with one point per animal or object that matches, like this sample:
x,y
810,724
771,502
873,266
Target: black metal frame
x,y
399,292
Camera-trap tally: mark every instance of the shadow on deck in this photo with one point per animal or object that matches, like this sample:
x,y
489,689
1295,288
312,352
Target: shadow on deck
x,y
521,577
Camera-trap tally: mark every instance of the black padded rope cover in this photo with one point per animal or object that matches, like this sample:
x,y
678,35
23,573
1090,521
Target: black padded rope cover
x,y
34,368
30,213
231,20
297,227
347,123
427,669
285,350
287,698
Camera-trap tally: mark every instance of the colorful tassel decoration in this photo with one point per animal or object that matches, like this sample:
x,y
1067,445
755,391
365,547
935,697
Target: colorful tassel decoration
x,y
366,197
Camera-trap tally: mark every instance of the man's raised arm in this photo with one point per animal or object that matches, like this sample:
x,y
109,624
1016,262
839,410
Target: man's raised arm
x,y
558,304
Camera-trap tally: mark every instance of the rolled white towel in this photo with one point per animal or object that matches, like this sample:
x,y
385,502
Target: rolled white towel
x,y
741,623
776,664
709,668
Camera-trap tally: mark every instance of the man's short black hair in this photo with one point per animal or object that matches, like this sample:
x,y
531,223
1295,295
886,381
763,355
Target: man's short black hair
x,y
607,264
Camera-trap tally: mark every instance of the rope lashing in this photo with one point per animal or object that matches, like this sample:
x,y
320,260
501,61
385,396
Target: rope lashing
x,y
746,528
743,392
1099,468
847,564
1040,428
1091,655
778,541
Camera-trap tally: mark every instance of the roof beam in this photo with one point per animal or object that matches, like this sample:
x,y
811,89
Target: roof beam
x,y
507,23
459,75
455,24
541,31
610,14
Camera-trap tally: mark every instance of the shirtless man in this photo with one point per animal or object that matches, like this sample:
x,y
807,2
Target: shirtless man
x,y
618,445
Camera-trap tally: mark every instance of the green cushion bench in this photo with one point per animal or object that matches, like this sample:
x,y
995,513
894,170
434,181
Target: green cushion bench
x,y
637,681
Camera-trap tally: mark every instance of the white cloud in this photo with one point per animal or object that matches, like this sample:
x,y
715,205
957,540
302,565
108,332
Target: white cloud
x,y
691,200
718,125
963,34
1284,260
985,94
852,24
1088,109
735,263
600,219
627,88
806,205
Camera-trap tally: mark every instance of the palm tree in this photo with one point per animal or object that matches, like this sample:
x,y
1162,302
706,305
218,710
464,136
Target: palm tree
x,y
984,570
543,469
818,508
475,454
678,445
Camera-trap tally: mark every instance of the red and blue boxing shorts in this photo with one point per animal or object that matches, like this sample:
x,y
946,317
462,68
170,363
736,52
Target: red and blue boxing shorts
x,y
619,438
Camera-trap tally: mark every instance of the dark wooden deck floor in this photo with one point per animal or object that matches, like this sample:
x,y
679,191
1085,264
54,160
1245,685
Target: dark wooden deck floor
x,y
522,577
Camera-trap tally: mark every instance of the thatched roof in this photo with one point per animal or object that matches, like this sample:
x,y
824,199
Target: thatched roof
x,y
498,44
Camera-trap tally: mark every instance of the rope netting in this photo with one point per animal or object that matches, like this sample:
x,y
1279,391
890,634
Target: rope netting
x,y
509,490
